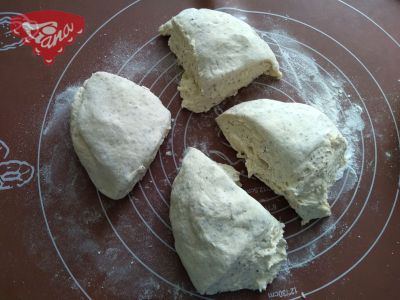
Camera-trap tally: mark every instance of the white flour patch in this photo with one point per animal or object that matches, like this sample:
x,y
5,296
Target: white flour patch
x,y
329,227
303,260
329,93
150,288
116,271
351,180
61,110
324,91
117,56
202,146
72,216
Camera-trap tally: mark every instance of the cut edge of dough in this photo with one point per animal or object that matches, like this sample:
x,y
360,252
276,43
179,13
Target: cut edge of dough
x,y
267,248
193,97
305,209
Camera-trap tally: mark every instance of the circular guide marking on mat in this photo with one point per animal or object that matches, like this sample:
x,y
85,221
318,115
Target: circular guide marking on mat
x,y
186,126
397,131
191,114
366,109
362,140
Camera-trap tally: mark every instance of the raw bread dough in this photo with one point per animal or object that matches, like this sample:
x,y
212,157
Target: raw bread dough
x,y
219,54
225,238
293,148
117,127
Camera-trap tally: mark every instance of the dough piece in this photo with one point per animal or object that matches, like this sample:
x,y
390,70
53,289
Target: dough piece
x,y
226,239
293,148
219,53
117,127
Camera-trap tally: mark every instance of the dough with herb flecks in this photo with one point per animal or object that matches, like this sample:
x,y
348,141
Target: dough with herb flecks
x,y
226,239
292,147
117,128
219,53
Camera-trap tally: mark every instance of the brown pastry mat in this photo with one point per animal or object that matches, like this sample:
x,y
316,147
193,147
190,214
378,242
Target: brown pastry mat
x,y
61,239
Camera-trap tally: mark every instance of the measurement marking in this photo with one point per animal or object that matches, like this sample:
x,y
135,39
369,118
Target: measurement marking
x,y
283,293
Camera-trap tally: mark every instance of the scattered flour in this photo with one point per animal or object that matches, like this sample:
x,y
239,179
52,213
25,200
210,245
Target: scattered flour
x,y
330,93
59,114
103,264
319,89
314,87
150,289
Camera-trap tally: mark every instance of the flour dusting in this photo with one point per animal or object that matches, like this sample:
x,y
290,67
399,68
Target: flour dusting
x,y
61,109
322,90
330,93
73,211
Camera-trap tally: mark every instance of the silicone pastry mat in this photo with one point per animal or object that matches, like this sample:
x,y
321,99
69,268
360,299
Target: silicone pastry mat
x,y
60,239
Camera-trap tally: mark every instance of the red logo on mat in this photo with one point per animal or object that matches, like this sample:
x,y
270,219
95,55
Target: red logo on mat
x,y
48,32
